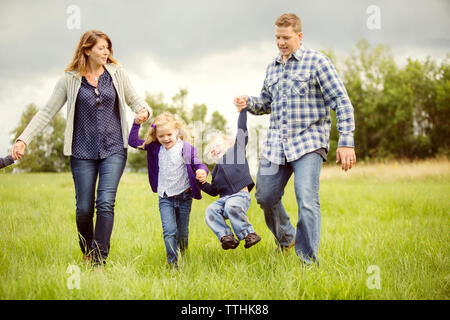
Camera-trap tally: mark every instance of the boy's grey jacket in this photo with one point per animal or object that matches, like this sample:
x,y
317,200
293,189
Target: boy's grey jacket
x,y
66,90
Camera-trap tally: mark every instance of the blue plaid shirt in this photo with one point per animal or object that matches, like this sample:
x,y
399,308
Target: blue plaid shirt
x,y
298,95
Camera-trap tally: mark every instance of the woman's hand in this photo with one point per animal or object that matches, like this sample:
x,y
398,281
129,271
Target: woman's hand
x,y
201,175
142,116
18,150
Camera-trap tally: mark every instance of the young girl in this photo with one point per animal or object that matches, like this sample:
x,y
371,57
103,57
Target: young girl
x,y
231,180
173,167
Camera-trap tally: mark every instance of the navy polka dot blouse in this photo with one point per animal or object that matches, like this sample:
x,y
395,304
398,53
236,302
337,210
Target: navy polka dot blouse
x,y
97,131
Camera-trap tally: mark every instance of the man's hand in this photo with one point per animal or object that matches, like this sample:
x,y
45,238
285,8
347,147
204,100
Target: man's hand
x,y
240,102
18,150
201,175
347,156
142,116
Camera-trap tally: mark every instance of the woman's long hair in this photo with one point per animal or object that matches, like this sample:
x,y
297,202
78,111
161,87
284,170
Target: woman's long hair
x,y
87,41
164,119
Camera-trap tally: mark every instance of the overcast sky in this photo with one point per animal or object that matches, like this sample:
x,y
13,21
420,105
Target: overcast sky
x,y
215,49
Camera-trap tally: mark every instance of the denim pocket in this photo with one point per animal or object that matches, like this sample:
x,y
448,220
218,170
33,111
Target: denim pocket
x,y
264,162
245,194
248,201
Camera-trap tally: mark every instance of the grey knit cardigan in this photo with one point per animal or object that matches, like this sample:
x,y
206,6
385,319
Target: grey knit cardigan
x,y
66,90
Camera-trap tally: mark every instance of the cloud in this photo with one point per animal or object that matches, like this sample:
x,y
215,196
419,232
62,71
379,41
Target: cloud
x,y
214,80
214,48
175,32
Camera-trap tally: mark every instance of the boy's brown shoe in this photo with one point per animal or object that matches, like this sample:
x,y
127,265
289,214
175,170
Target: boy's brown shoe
x,y
251,239
229,242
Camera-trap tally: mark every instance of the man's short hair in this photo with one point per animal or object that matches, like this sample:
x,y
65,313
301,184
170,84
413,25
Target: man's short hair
x,y
289,20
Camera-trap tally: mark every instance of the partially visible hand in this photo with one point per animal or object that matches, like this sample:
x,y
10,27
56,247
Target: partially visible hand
x,y
142,116
201,175
347,156
240,102
18,150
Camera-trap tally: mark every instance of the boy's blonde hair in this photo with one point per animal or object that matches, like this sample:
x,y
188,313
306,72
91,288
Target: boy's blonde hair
x,y
228,141
164,119
220,135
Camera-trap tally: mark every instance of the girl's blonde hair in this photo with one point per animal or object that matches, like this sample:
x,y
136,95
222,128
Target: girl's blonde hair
x,y
87,41
164,119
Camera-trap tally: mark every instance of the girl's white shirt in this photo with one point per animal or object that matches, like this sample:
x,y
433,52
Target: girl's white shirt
x,y
172,176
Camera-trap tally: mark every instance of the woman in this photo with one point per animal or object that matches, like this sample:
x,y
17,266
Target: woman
x,y
96,90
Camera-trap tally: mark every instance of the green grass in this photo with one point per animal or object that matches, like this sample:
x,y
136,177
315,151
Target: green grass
x,y
393,216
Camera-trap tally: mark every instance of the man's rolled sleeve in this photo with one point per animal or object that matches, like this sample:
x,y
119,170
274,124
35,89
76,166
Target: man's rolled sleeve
x,y
345,124
346,140
337,99
258,105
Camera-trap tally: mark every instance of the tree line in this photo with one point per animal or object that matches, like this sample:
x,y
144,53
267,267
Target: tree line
x,y
401,112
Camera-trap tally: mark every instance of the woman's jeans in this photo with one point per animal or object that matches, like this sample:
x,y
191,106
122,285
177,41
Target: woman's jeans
x,y
233,207
270,183
85,174
175,212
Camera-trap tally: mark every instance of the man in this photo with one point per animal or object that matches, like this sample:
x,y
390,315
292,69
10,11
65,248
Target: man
x,y
300,87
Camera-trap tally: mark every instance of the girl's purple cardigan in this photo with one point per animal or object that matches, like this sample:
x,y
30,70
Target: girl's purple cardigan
x,y
189,154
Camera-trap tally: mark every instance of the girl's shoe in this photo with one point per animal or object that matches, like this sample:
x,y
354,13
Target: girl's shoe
x,y
86,259
229,242
97,268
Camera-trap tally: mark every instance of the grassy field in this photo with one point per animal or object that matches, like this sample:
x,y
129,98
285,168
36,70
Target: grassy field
x,y
394,216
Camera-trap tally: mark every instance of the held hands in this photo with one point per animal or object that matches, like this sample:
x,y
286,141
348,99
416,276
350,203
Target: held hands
x,y
347,156
240,102
201,175
142,116
18,150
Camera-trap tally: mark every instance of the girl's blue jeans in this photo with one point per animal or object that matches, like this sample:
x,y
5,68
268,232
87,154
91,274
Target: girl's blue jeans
x,y
175,212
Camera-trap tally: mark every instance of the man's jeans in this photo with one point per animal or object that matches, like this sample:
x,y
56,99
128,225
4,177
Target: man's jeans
x,y
233,207
175,212
270,184
85,173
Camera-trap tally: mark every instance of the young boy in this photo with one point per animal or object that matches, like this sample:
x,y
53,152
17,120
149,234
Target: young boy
x,y
231,180
6,161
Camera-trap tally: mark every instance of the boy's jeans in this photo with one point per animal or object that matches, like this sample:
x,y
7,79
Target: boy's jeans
x,y
234,208
270,183
175,212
